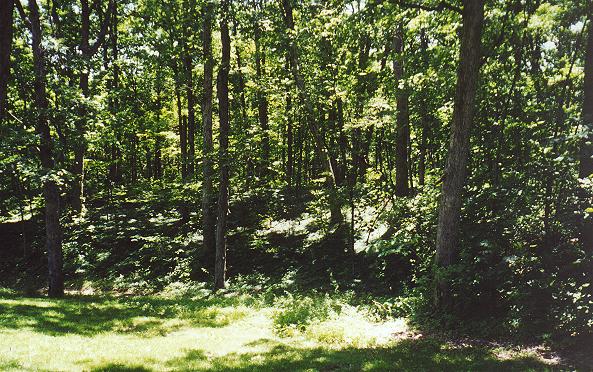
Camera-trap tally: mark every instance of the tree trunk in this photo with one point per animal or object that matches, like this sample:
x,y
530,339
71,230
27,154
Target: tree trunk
x,y
262,102
222,85
320,146
88,50
114,169
424,115
586,150
208,207
459,143
191,116
289,141
182,123
359,143
6,10
402,136
53,231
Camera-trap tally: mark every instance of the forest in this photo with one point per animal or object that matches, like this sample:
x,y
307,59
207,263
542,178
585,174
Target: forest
x,y
291,185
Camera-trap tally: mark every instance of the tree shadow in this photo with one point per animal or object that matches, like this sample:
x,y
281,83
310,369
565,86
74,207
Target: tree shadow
x,y
117,367
406,355
89,315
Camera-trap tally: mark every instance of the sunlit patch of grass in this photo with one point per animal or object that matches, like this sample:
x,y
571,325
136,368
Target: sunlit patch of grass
x,y
222,332
352,328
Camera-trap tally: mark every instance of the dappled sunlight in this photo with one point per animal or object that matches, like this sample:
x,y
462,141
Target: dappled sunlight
x,y
203,334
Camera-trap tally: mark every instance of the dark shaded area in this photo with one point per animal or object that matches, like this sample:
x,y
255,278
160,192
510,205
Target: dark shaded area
x,y
115,367
89,315
407,355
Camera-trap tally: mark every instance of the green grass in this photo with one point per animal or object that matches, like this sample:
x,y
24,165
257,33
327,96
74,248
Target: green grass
x,y
226,332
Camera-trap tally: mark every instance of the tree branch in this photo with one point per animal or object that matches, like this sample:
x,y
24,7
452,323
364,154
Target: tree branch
x,y
104,26
22,13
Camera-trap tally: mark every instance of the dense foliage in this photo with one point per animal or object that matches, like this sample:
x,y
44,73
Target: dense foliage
x,y
339,119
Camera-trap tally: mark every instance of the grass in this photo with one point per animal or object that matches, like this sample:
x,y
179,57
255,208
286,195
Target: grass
x,y
223,332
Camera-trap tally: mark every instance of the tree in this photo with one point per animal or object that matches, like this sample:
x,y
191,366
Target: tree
x,y
6,10
53,231
586,149
88,50
222,86
262,101
318,140
190,127
402,187
459,142
208,207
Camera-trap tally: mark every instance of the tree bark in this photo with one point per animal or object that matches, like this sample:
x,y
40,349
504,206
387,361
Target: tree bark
x,y
53,231
115,164
208,207
402,136
181,122
424,115
88,50
459,143
320,146
191,116
586,150
262,102
289,141
222,85
6,14
359,143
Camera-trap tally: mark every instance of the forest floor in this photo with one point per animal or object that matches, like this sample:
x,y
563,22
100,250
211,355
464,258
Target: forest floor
x,y
230,331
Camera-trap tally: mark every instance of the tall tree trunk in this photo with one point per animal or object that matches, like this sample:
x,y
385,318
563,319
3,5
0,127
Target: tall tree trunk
x,y
88,50
6,11
114,170
191,116
289,141
359,146
586,151
424,116
241,80
181,120
459,143
222,85
53,231
208,207
402,136
319,141
262,102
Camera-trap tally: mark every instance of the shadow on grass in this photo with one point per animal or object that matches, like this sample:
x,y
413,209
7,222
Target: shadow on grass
x,y
407,355
116,367
89,315
10,365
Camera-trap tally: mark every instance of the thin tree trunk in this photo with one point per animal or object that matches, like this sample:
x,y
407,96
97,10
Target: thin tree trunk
x,y
53,231
114,171
402,136
181,119
320,146
359,147
241,81
222,85
289,141
191,116
88,50
262,102
6,10
586,150
208,207
424,116
459,143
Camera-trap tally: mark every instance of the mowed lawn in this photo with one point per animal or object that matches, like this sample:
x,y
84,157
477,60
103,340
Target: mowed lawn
x,y
225,332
